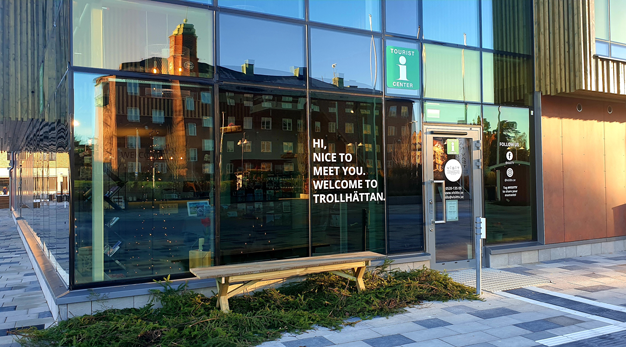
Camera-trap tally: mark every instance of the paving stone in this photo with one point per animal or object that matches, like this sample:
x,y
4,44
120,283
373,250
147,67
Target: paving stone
x,y
387,341
595,275
564,320
429,334
429,343
573,267
346,336
459,309
432,323
469,339
493,313
46,314
469,327
516,341
538,325
540,335
506,332
397,329
593,289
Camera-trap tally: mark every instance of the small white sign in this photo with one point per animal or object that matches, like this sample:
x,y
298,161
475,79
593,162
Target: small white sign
x,y
509,172
432,113
453,170
509,155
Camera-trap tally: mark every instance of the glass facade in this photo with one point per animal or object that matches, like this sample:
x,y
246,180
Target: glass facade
x,y
207,135
610,28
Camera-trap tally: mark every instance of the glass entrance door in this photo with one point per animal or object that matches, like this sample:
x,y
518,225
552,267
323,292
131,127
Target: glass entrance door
x,y
453,190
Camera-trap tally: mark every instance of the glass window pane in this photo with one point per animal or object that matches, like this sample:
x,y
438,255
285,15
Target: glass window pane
x,y
507,25
508,174
602,18
403,68
116,184
451,73
356,225
261,50
444,112
264,198
402,17
291,8
602,48
488,79
451,21
345,61
360,14
618,24
507,79
487,24
618,51
143,36
404,177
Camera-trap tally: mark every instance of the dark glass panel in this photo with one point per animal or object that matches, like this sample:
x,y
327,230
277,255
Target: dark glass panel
x,y
507,79
405,212
291,8
350,128
264,168
143,36
143,182
402,17
345,61
451,73
451,21
360,14
246,53
508,169
507,25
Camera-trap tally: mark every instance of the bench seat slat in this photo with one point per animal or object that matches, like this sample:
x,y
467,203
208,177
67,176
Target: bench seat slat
x,y
263,269
295,272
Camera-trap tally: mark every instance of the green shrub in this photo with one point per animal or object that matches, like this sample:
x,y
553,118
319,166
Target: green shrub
x,y
190,319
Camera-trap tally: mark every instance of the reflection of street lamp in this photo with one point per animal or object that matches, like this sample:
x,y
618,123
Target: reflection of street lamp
x,y
241,143
356,152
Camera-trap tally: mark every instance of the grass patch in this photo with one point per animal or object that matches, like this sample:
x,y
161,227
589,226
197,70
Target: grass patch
x,y
190,319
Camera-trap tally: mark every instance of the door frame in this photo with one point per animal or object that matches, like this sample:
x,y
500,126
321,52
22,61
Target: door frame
x,y
473,132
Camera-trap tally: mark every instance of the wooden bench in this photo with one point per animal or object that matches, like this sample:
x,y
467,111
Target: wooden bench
x,y
251,273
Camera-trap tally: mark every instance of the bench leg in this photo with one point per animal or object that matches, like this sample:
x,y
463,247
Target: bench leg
x,y
222,294
358,274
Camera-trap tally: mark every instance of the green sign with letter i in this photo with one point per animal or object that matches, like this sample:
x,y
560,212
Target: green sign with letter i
x,y
403,68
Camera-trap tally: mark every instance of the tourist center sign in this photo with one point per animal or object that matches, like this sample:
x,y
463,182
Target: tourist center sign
x,y
403,68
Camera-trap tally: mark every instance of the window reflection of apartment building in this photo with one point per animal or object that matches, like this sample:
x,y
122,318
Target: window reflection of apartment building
x,y
153,127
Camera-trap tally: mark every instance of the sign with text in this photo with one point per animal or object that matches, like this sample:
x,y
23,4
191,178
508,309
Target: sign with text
x,y
403,68
352,187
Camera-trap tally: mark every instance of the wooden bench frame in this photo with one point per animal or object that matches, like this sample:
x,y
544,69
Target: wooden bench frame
x,y
247,275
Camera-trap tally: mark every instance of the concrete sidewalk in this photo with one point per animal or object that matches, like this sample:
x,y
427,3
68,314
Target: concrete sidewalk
x,y
22,303
585,305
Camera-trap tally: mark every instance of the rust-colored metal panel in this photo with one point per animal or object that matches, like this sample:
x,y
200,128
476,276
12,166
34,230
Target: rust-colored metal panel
x,y
552,178
584,208
615,157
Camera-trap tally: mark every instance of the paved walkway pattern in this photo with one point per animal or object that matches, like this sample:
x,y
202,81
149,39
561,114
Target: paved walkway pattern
x,y
22,303
584,306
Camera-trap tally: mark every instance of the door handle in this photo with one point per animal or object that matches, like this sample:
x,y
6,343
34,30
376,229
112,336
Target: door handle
x,y
443,200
